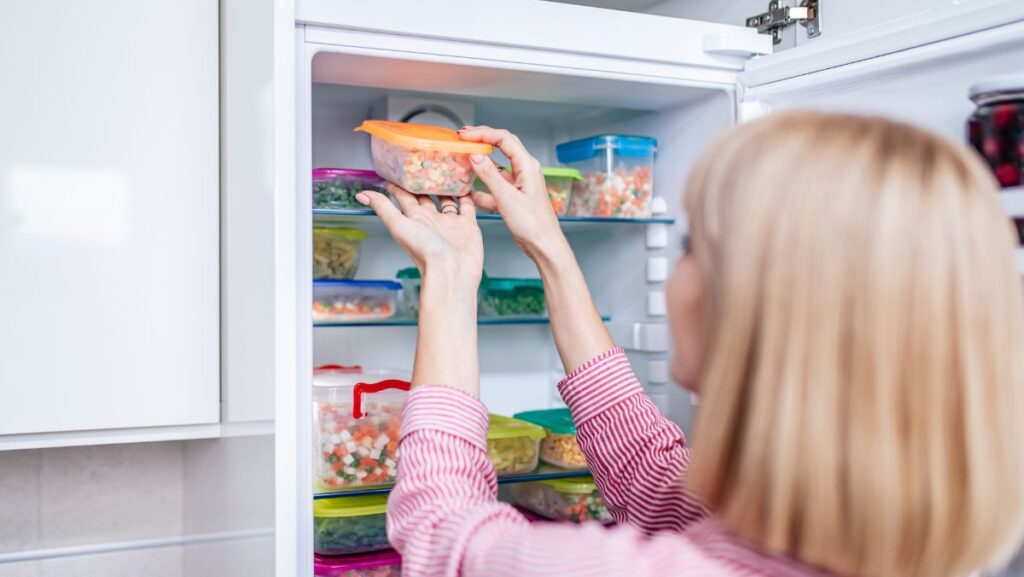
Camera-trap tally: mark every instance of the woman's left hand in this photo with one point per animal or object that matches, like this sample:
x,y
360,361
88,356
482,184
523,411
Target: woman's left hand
x,y
443,242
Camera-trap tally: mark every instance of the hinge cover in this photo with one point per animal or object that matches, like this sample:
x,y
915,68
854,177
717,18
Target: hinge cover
x,y
778,17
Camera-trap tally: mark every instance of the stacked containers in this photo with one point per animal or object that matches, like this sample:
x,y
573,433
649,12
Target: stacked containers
x,y
340,301
575,500
336,188
357,415
380,564
617,172
511,298
336,252
559,447
347,525
422,159
513,445
996,128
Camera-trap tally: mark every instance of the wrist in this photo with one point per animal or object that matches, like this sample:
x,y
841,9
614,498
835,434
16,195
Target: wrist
x,y
552,254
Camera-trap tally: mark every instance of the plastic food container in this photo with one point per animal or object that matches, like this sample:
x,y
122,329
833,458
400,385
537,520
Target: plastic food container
x,y
559,447
357,415
422,159
346,525
410,280
354,300
511,297
575,500
996,128
336,252
380,564
560,183
617,172
336,188
513,445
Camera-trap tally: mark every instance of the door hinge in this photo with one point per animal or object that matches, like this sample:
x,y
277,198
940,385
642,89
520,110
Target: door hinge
x,y
778,17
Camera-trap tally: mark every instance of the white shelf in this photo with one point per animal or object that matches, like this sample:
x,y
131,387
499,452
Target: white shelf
x,y
1013,201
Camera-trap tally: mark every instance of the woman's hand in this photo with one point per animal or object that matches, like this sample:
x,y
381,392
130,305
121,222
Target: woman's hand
x,y
445,242
521,199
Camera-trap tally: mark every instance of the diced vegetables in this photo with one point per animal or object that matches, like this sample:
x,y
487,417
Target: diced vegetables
x,y
562,451
336,188
624,193
560,191
341,301
357,452
575,500
508,297
346,525
410,280
336,252
513,445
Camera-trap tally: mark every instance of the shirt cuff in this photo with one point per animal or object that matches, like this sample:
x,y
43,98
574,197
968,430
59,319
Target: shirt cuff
x,y
445,409
602,382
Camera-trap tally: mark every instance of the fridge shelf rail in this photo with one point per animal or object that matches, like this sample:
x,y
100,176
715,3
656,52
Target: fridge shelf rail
x,y
368,218
543,473
411,322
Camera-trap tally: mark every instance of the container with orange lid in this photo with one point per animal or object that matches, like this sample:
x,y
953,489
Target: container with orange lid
x,y
422,159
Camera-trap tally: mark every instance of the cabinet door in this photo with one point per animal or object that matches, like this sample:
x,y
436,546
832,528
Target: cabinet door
x,y
109,215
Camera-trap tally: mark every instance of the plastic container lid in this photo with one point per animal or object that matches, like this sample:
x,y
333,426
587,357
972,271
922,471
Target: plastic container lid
x,y
327,566
502,427
422,136
558,421
341,232
496,283
344,507
995,87
330,378
577,486
559,172
386,284
623,145
325,174
410,272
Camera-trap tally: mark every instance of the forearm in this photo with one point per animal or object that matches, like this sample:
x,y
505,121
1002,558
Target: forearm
x,y
446,347
579,332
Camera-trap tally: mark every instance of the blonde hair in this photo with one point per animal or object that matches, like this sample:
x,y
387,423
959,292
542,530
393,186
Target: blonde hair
x,y
862,403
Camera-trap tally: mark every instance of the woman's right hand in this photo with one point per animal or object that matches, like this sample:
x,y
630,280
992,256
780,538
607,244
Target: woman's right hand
x,y
522,199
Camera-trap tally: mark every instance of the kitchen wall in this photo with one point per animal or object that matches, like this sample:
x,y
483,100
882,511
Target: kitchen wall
x,y
116,496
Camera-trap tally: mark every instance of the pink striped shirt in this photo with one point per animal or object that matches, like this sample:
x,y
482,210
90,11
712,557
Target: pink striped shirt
x,y
445,520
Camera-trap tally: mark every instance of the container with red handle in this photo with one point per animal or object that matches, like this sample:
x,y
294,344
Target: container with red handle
x,y
357,415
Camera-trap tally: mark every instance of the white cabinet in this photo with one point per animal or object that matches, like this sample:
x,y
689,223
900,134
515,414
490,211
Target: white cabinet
x,y
109,219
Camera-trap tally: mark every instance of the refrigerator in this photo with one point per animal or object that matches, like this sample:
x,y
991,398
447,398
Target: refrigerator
x,y
315,69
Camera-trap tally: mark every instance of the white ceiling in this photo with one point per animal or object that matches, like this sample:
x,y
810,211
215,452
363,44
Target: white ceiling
x,y
627,5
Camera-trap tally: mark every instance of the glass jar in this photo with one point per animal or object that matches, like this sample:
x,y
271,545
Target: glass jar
x,y
996,129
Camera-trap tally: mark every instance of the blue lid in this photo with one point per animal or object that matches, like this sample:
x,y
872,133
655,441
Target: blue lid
x,y
623,145
388,284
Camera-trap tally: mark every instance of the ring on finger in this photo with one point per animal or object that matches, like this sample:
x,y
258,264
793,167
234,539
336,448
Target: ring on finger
x,y
449,207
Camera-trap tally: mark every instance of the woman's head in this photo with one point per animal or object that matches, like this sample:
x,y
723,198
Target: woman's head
x,y
859,344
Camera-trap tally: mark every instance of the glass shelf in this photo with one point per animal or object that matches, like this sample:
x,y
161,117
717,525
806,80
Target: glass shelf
x,y
366,217
411,322
543,473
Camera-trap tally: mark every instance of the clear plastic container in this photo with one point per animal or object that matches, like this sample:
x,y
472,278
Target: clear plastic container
x,y
617,172
338,301
336,252
559,446
357,415
996,129
346,525
513,445
422,159
560,183
336,188
379,564
575,500
410,280
511,298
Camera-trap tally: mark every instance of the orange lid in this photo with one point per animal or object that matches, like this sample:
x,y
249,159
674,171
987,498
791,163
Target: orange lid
x,y
422,136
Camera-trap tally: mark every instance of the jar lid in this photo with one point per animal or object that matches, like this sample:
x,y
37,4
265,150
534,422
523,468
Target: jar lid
x,y
327,566
578,486
422,136
995,87
341,232
358,506
558,421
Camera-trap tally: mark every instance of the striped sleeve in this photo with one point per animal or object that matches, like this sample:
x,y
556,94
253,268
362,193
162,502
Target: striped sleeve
x,y
637,456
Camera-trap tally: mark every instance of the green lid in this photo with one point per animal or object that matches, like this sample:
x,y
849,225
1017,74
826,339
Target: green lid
x,y
411,272
340,232
578,486
508,428
360,506
558,421
507,284
558,171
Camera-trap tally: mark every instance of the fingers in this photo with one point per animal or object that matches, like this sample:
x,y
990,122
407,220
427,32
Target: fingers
x,y
406,199
382,205
426,202
448,206
484,200
489,173
467,208
507,142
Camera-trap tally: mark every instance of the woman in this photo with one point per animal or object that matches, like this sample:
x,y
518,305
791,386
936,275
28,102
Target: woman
x,y
848,310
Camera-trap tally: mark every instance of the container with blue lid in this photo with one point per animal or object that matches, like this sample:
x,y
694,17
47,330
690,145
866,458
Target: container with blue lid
x,y
617,172
354,300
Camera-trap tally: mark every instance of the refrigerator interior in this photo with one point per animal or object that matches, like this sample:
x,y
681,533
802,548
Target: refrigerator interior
x,y
519,365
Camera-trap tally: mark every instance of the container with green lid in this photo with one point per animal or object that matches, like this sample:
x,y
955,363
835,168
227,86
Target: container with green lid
x,y
511,297
336,252
350,525
559,182
559,447
513,445
575,500
410,281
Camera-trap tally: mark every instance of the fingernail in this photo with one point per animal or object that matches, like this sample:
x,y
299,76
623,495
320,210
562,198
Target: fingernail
x,y
363,198
476,157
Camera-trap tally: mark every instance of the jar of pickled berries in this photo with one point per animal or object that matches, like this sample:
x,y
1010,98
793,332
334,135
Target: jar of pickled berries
x,y
996,129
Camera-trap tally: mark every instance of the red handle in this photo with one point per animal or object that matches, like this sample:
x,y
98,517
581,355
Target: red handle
x,y
360,388
356,369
